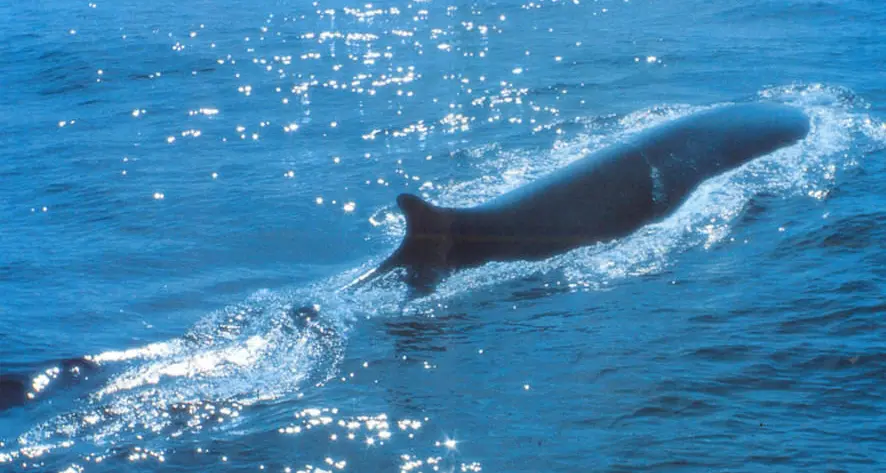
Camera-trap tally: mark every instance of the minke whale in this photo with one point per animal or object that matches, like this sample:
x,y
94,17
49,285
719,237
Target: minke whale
x,y
606,195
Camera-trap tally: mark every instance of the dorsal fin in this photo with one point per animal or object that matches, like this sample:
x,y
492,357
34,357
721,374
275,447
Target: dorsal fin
x,y
421,217
424,251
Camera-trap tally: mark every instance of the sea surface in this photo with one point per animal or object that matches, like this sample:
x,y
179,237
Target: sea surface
x,y
177,177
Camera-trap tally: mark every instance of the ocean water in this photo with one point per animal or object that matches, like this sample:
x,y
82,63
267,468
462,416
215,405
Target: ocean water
x,y
176,177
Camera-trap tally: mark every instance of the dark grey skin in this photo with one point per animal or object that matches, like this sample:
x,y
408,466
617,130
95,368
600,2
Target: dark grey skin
x,y
606,195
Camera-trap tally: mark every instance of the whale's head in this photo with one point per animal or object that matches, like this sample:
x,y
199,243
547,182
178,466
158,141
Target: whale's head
x,y
773,126
726,137
754,130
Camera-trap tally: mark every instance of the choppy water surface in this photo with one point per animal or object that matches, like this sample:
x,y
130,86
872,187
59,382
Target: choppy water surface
x,y
179,178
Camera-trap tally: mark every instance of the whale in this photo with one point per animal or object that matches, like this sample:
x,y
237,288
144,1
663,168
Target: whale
x,y
606,195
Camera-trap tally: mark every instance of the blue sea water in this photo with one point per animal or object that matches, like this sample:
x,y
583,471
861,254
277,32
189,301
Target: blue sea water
x,y
175,177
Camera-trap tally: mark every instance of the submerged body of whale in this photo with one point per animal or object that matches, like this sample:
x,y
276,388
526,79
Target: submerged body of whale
x,y
606,195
